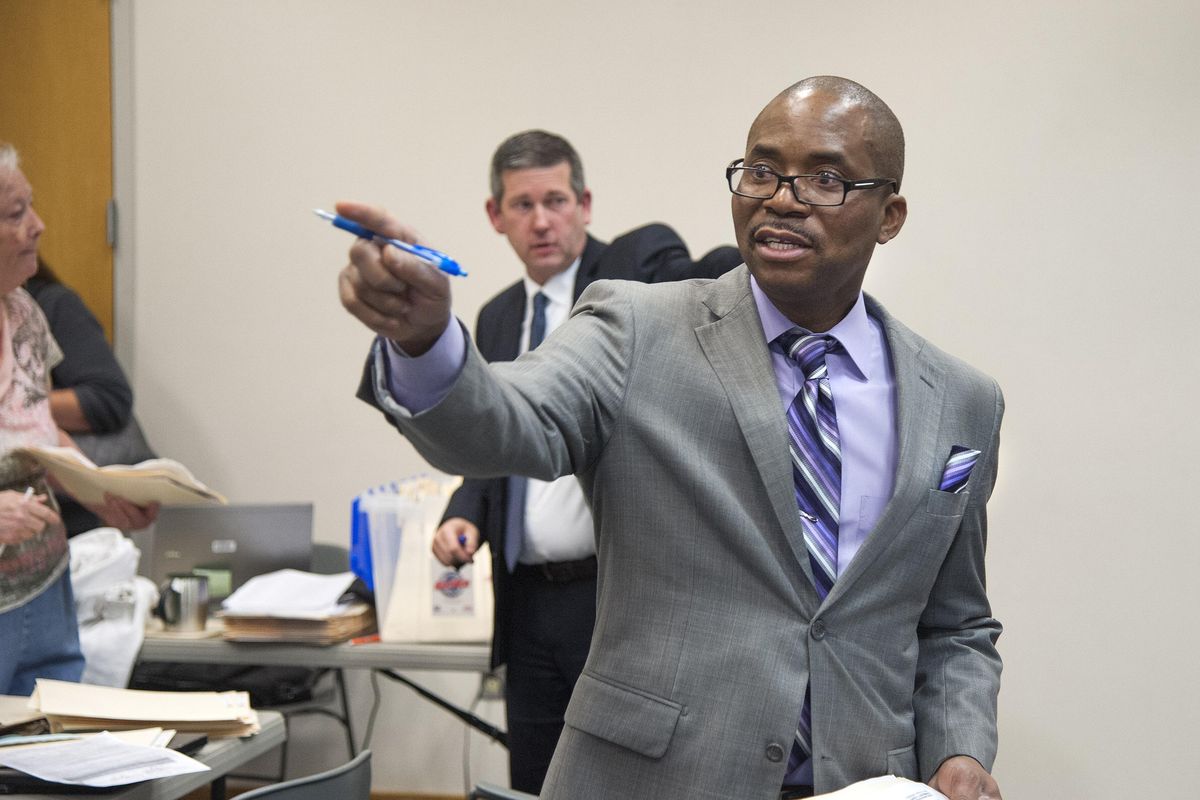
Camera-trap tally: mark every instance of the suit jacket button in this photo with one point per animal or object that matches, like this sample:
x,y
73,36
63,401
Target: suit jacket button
x,y
817,630
774,752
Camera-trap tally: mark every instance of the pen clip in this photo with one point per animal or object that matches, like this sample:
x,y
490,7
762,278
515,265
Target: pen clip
x,y
438,259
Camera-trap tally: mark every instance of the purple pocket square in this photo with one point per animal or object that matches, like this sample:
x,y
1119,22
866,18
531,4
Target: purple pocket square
x,y
958,468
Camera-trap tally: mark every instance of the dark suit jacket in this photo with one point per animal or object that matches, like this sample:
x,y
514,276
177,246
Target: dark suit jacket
x,y
650,254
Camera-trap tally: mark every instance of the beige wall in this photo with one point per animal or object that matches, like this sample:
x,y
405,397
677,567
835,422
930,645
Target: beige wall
x,y
1052,175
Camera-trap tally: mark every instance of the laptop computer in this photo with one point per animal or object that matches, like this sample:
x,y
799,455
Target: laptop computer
x,y
230,544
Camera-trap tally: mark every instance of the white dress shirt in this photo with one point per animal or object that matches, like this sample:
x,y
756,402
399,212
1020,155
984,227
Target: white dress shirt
x,y
558,521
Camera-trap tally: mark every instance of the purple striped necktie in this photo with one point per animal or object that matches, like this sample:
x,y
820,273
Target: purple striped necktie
x,y
817,471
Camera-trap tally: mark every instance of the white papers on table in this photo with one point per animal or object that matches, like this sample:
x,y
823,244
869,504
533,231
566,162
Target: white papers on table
x,y
100,760
292,594
151,737
886,787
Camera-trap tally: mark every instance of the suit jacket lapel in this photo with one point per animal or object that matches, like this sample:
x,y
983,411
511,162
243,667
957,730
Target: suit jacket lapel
x,y
748,379
506,338
589,264
920,391
504,341
734,347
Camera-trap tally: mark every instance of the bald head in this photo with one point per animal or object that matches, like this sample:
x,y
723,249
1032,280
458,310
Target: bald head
x,y
884,137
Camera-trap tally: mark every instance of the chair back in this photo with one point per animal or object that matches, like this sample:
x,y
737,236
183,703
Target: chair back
x,y
329,559
351,781
489,791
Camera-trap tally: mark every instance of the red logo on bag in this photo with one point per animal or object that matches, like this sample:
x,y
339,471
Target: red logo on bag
x,y
452,584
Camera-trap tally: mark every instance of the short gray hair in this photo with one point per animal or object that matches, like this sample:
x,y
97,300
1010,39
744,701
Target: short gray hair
x,y
536,148
10,160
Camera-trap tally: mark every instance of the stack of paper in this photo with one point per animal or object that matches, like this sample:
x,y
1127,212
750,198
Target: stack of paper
x,y
293,606
158,480
79,706
17,717
352,620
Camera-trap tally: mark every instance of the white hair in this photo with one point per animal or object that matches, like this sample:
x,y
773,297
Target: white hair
x,y
9,160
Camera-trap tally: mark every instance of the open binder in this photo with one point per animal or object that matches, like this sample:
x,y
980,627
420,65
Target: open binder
x,y
159,480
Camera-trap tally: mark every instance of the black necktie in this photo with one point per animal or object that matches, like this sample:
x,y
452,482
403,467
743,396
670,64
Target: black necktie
x,y
514,532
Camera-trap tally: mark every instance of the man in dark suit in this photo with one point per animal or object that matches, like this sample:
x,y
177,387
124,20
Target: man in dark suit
x,y
540,532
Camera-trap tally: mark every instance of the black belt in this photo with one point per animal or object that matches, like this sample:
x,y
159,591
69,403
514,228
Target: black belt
x,y
792,792
559,571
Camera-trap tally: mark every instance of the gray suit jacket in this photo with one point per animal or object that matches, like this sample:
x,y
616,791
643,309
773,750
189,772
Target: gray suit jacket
x,y
662,400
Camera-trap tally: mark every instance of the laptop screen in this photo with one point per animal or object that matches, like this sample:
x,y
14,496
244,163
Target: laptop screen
x,y
230,544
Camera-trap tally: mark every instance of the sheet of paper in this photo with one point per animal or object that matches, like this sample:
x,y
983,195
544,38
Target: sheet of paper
x,y
885,787
100,760
36,739
291,593
151,737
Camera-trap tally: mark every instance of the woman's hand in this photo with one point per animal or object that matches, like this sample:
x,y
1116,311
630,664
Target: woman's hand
x,y
121,513
23,516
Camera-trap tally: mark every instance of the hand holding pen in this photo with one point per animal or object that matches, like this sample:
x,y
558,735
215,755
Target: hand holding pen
x,y
23,516
389,289
455,542
430,256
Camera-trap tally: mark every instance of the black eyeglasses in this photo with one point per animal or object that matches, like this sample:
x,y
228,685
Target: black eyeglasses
x,y
814,190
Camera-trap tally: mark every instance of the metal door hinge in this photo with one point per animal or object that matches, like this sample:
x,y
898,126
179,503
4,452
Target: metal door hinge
x,y
110,222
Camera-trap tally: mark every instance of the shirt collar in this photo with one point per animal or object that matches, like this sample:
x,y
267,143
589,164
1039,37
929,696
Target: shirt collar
x,y
853,331
560,288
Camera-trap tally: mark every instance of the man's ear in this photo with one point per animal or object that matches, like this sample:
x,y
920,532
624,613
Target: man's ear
x,y
894,214
493,212
586,204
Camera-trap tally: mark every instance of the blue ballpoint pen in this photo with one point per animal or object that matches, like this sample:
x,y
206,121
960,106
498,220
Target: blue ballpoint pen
x,y
427,254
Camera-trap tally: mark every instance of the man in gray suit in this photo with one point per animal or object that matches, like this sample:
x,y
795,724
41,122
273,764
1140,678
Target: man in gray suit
x,y
743,642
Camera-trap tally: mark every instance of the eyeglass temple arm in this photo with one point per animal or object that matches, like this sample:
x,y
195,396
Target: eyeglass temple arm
x,y
873,182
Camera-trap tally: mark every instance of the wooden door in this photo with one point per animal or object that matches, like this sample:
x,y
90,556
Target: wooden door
x,y
56,108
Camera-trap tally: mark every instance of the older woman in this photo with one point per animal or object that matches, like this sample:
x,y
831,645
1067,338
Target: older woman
x,y
37,613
